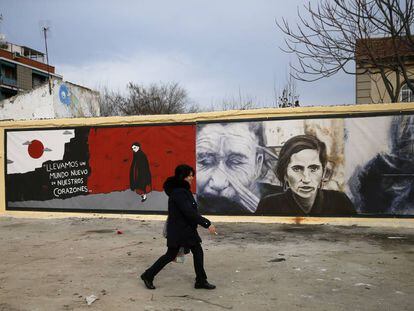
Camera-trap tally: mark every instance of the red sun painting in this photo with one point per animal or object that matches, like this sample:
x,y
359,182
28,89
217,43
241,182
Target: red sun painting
x,y
36,149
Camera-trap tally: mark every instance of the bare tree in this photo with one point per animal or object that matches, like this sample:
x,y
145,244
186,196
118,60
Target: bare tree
x,y
162,98
110,102
375,34
241,102
289,96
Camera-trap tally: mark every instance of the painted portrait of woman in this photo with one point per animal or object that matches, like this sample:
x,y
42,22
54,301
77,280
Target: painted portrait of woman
x,y
300,168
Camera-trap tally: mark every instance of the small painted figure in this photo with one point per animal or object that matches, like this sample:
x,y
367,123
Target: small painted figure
x,y
139,173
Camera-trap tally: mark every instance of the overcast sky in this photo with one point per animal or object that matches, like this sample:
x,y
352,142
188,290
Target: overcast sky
x,y
214,49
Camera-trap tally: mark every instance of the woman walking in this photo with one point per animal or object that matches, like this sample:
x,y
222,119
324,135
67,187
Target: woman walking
x,y
183,218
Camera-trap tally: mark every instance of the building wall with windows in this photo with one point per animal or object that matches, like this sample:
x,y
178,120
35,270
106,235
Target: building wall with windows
x,y
363,88
371,89
375,53
407,94
22,69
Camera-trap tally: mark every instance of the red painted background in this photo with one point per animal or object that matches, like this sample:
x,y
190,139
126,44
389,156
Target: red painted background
x,y
110,154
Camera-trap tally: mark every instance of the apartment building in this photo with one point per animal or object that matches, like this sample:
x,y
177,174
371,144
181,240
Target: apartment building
x,y
22,69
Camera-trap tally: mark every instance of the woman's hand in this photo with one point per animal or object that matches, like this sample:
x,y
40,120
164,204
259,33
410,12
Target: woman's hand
x,y
212,229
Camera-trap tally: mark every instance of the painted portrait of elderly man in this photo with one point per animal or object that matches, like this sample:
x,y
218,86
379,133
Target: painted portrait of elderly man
x,y
232,162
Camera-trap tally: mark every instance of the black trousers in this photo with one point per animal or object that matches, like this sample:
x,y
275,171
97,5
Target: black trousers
x,y
198,258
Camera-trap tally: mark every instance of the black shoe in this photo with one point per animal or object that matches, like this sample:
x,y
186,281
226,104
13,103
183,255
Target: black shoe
x,y
143,199
205,285
147,281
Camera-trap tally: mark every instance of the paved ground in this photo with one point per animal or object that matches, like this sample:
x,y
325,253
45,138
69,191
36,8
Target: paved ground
x,y
55,264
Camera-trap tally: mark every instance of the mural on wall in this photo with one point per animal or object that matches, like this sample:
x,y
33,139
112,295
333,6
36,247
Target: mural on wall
x,y
385,183
102,168
301,167
42,165
232,167
310,167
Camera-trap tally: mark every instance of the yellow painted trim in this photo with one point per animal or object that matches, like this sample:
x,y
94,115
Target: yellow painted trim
x,y
215,115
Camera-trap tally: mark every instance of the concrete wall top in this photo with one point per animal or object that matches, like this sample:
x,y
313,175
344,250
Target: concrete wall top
x,y
230,115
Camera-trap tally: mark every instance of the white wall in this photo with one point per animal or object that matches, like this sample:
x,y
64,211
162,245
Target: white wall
x,y
36,104
40,104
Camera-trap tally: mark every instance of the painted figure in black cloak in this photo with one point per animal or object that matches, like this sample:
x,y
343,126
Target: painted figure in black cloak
x,y
139,173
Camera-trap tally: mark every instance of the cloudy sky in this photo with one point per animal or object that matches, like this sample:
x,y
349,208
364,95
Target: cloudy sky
x,y
216,50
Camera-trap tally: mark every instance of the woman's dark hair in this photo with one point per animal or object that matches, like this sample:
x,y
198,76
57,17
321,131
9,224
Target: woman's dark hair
x,y
182,171
295,145
136,144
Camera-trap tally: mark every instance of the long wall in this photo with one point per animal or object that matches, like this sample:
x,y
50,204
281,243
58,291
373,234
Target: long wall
x,y
346,161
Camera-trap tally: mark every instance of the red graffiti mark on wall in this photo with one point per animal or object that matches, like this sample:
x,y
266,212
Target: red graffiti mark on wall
x,y
298,220
110,154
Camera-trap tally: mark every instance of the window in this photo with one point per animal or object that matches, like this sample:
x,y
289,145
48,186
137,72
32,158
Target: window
x,y
406,94
6,93
38,79
8,74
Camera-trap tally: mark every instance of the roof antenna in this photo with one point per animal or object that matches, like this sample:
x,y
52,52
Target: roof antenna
x,y
45,29
2,36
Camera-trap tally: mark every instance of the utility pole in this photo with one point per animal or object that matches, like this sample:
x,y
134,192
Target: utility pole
x,y
45,29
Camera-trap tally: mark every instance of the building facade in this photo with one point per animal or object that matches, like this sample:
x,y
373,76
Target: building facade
x,y
62,100
22,69
383,57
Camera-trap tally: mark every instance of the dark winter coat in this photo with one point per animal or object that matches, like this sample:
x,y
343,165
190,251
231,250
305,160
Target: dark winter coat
x,y
139,173
183,215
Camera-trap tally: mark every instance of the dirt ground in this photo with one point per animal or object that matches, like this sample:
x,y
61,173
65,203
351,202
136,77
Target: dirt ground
x,y
54,264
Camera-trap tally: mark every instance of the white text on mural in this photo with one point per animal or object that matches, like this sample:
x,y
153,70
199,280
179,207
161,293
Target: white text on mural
x,y
67,178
